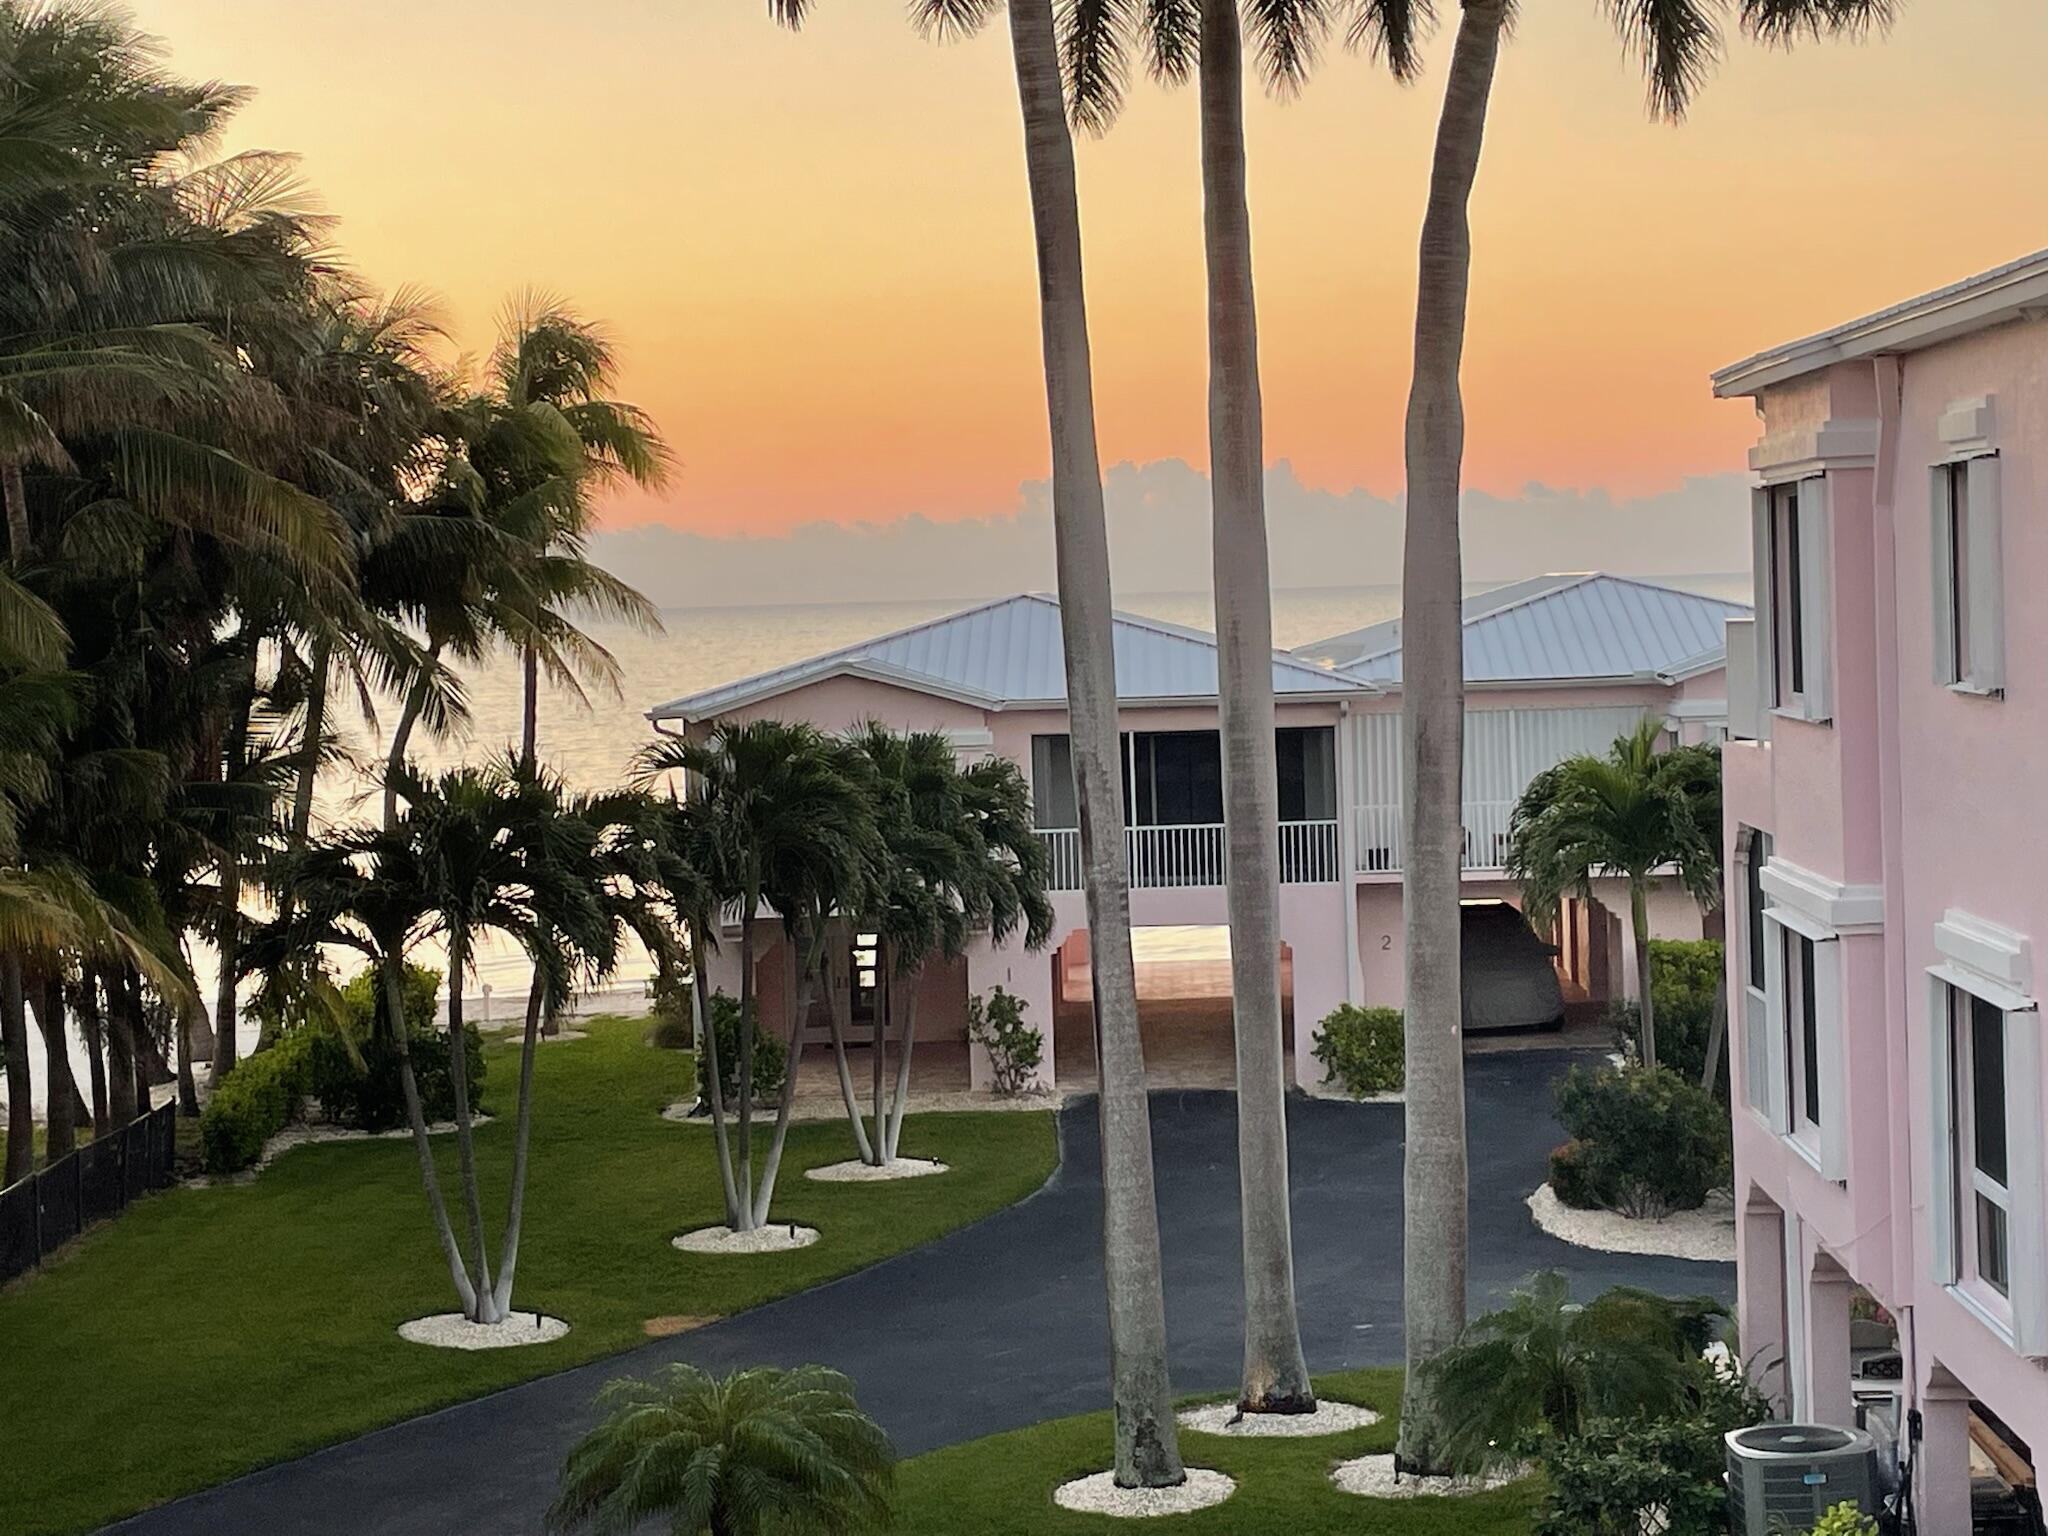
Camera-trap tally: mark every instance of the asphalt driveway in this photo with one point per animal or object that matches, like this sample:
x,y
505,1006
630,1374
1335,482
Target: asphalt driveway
x,y
1000,1324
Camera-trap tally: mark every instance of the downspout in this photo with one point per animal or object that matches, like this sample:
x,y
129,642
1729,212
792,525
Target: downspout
x,y
1887,376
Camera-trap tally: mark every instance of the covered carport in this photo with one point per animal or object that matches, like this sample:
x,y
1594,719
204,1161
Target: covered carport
x,y
1185,1019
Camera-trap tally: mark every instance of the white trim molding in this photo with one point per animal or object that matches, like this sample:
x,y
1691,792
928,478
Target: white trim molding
x,y
1835,909
1968,427
1988,950
1807,451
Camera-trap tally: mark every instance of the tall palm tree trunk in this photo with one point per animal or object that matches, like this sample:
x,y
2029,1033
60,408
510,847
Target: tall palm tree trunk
x,y
309,750
14,1042
92,1030
522,1128
1433,712
707,1034
799,980
14,490
906,1039
1646,1002
529,755
229,937
401,733
744,1075
1147,1446
1275,1373
437,1208
862,1146
60,1127
122,1105
465,1143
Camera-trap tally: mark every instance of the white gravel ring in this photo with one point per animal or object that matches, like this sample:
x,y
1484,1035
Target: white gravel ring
x,y
1373,1477
1329,1418
451,1330
1706,1234
855,1171
1098,1494
780,1238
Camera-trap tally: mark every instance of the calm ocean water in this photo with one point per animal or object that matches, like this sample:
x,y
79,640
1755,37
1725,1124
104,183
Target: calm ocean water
x,y
591,741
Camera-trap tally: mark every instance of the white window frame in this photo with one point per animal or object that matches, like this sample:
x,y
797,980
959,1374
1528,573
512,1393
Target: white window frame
x,y
1967,616
1824,1143
1758,1062
1785,514
1987,963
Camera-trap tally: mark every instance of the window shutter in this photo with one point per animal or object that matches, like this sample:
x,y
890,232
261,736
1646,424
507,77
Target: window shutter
x,y
1941,1140
1777,1096
2025,1180
1941,560
1816,612
1832,1067
1986,577
1760,565
1756,1053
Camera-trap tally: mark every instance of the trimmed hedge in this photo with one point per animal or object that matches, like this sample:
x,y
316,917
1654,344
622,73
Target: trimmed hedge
x,y
258,1098
1683,973
1644,1142
1361,1050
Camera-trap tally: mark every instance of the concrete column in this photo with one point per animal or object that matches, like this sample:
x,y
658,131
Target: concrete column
x,y
1941,1469
1026,976
1760,1302
1828,1397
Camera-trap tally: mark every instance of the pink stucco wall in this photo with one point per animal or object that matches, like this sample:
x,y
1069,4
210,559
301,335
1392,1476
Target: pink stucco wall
x,y
1933,799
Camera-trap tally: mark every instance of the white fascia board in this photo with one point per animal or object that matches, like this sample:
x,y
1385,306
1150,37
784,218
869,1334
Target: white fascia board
x,y
1839,909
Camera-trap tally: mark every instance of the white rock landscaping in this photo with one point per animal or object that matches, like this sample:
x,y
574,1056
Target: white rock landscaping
x,y
783,1237
1373,1477
451,1330
1707,1233
1330,1418
855,1171
1098,1494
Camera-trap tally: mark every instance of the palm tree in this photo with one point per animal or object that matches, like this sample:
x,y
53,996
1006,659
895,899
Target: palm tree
x,y
477,849
1631,813
761,1451
1677,42
1204,38
781,819
960,859
1544,1363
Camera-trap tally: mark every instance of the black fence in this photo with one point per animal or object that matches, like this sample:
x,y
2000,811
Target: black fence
x,y
49,1208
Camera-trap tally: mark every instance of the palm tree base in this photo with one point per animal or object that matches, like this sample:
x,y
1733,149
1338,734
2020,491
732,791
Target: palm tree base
x,y
1101,1494
780,1237
455,1330
854,1171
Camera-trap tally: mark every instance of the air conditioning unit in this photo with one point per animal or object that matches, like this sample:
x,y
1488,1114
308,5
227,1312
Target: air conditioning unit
x,y
1784,1476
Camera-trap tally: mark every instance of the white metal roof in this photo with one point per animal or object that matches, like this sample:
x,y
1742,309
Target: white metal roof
x,y
2015,291
1007,654
1577,627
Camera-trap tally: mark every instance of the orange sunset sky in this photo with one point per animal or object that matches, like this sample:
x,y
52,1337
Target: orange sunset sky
x,y
815,250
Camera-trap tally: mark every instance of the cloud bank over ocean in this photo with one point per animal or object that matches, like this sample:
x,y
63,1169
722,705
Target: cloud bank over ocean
x,y
1159,542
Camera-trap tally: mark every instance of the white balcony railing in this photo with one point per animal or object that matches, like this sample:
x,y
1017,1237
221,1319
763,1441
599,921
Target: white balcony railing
x,y
1380,850
1163,857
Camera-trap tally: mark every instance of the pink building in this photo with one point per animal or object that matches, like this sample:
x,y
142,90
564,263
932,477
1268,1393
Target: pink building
x,y
1557,665
1887,883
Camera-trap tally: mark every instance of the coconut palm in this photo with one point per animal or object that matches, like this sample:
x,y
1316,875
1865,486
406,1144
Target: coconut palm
x,y
1630,814
760,1451
1677,42
1204,38
781,822
1546,1364
960,859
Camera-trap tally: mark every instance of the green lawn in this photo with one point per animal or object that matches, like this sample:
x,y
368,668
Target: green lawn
x,y
1002,1486
208,1332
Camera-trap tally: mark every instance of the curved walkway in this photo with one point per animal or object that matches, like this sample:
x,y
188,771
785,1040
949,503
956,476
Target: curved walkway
x,y
999,1324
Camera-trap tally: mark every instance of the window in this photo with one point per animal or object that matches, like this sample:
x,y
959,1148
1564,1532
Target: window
x,y
1802,1040
1054,801
1753,901
1757,1065
1967,618
1977,1039
1791,555
1307,758
867,976
1788,608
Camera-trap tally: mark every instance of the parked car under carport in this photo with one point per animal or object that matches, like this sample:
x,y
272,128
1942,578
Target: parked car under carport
x,y
1510,975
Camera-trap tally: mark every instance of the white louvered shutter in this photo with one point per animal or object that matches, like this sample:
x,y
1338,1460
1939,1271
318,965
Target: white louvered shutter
x,y
1941,561
2025,1182
1985,577
1941,1139
1816,611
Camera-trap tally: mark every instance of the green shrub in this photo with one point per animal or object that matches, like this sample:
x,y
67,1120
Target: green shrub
x,y
769,1055
1361,1050
1603,1480
258,1098
357,1079
1644,1141
673,1029
1014,1047
1683,976
1845,1519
